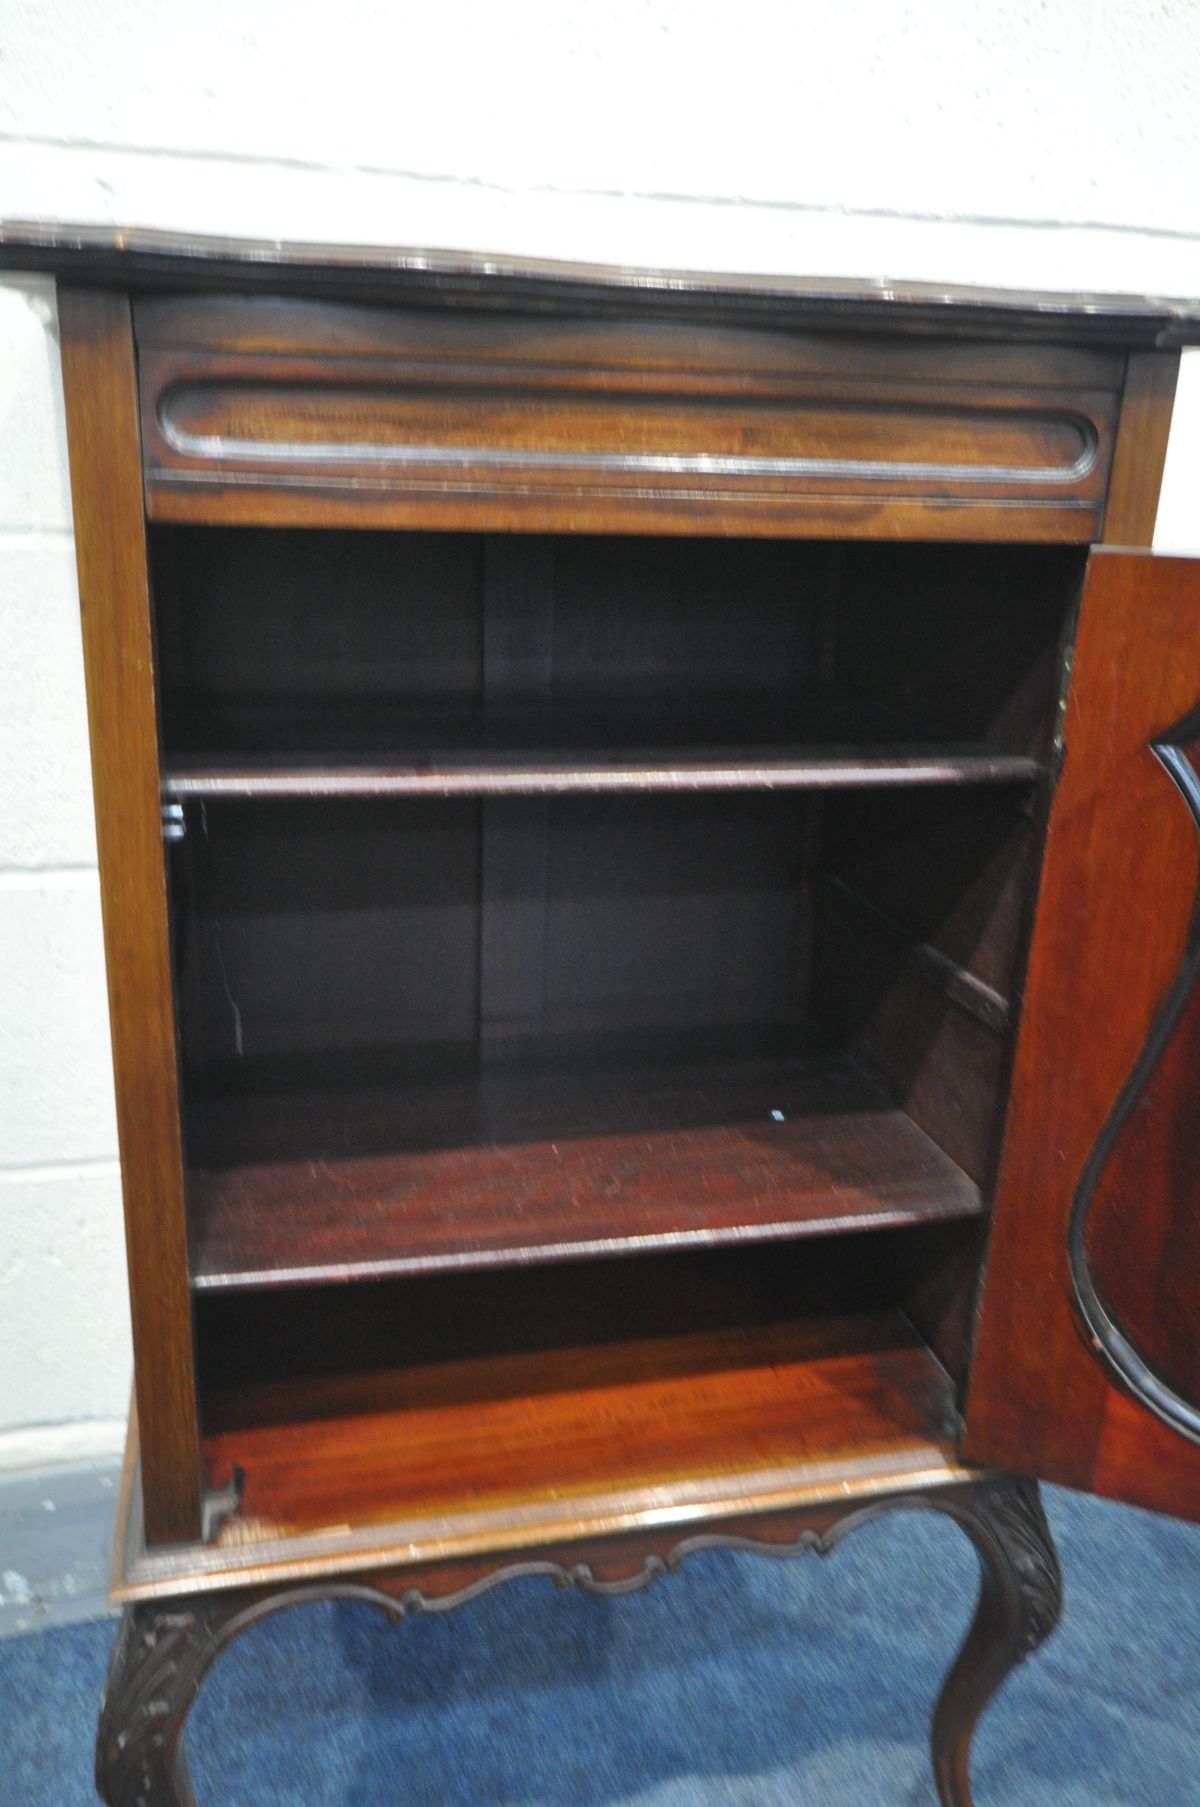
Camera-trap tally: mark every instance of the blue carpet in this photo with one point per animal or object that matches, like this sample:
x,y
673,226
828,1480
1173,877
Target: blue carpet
x,y
739,1681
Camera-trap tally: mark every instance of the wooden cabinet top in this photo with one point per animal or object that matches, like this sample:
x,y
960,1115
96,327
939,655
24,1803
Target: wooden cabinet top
x,y
144,259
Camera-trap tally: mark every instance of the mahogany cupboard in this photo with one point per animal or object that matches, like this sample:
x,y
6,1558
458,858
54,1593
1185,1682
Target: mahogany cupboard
x,y
649,830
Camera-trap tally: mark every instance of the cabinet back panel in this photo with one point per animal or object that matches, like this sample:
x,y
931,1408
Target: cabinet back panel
x,y
672,912
356,928
308,931
302,643
258,616
686,621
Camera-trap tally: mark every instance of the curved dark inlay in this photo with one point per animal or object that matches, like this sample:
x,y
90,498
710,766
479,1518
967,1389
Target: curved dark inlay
x,y
1151,1339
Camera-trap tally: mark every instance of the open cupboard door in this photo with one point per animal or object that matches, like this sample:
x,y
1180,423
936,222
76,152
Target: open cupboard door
x,y
1086,1368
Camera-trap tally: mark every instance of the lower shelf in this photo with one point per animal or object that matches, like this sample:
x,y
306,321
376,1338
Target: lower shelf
x,y
422,1178
497,1449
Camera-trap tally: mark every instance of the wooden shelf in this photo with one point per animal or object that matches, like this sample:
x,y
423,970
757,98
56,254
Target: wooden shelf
x,y
375,748
501,1442
828,770
546,1167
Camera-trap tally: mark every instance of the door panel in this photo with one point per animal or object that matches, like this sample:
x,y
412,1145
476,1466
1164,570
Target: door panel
x,y
1087,1359
1134,1244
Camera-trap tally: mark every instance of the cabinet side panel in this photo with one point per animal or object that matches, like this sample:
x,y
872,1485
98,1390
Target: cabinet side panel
x,y
1140,452
1097,1117
106,482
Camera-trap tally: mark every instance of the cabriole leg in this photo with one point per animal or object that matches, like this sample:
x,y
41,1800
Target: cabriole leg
x,y
1020,1599
158,1662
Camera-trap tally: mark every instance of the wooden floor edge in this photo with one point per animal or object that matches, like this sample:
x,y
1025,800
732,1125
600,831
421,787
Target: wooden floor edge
x,y
142,1575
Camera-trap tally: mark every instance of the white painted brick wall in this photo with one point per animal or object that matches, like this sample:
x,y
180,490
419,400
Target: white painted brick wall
x,y
46,820
64,1340
60,1247
1014,142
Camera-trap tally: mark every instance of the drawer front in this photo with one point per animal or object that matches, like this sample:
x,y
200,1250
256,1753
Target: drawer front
x,y
297,411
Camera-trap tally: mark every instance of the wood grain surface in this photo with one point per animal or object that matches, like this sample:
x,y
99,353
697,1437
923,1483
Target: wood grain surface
x,y
553,1166
506,1433
1118,898
465,421
102,429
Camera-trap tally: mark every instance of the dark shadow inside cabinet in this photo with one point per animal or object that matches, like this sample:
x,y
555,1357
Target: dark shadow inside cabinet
x,y
544,899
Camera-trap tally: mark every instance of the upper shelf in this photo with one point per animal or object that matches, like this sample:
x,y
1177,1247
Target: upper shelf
x,y
514,775
370,748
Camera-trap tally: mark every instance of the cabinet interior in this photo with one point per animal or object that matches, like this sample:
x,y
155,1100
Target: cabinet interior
x,y
542,899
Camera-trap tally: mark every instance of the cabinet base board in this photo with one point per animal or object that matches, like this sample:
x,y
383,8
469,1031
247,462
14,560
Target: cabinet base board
x,y
142,1574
